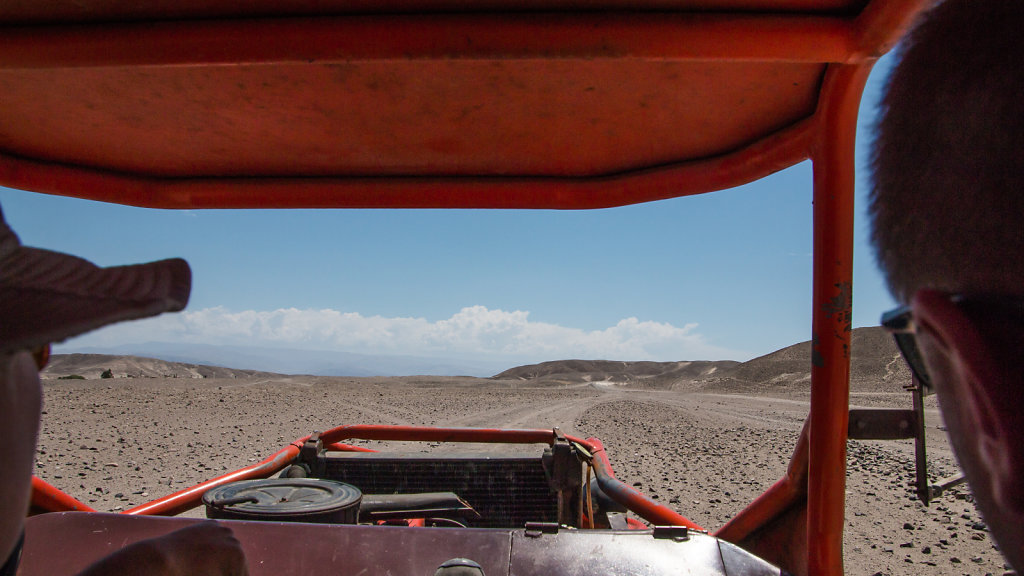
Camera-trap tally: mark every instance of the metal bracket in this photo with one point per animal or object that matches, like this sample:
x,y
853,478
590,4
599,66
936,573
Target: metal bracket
x,y
882,424
311,455
617,521
675,533
537,529
887,424
565,474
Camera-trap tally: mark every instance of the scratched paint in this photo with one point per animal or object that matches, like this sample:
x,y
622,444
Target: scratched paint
x,y
840,307
816,358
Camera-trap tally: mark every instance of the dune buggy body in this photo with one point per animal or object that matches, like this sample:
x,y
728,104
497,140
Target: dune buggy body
x,y
562,104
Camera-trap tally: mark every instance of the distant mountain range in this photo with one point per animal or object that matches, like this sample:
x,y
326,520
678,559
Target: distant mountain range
x,y
295,361
876,366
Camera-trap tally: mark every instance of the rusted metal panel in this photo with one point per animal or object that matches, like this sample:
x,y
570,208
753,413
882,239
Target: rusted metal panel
x,y
882,424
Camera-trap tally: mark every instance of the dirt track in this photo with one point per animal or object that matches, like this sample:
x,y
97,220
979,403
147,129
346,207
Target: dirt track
x,y
115,444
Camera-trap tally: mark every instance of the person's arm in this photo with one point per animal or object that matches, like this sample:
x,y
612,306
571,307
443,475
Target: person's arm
x,y
206,548
20,405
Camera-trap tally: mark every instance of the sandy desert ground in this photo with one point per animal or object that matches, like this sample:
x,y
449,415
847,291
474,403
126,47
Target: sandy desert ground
x,y
121,442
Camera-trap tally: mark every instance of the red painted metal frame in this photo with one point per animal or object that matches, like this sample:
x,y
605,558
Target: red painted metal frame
x,y
627,496
832,302
192,497
816,473
617,34
767,156
658,35
49,498
433,434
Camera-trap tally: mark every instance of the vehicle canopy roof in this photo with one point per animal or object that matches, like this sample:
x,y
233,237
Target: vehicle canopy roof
x,y
418,103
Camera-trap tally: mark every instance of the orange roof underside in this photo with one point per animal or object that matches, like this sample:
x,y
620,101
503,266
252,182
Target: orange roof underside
x,y
129,102
398,118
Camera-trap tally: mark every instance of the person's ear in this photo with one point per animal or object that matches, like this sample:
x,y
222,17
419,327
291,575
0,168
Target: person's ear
x,y
979,356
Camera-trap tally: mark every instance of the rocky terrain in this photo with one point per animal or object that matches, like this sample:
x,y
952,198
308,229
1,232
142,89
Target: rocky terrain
x,y
704,442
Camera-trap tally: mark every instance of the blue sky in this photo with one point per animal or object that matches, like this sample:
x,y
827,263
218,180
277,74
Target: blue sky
x,y
724,275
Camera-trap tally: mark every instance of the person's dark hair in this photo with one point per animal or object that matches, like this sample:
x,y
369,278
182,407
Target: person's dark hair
x,y
948,194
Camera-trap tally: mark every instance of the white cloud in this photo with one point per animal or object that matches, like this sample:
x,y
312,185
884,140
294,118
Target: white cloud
x,y
474,331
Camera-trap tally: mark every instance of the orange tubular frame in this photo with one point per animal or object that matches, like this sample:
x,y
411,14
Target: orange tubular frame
x,y
813,489
656,35
775,153
832,300
49,498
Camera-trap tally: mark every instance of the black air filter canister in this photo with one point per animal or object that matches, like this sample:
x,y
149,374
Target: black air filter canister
x,y
285,500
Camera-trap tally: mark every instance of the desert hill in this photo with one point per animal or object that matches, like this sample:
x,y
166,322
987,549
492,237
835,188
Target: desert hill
x,y
876,366
91,366
637,374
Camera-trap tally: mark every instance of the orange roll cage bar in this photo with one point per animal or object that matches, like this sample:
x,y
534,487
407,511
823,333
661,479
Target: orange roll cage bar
x,y
454,104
